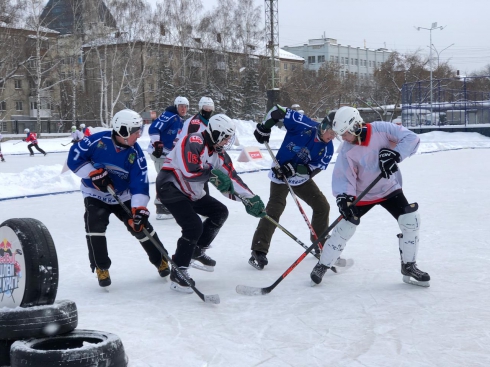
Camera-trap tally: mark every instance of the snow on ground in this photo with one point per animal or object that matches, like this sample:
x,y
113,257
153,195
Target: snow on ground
x,y
364,316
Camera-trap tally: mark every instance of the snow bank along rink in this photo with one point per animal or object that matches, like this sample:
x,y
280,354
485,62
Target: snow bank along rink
x,y
365,316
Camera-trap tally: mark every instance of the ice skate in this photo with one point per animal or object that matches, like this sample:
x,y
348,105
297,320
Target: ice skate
x,y
258,260
163,213
178,283
415,276
317,273
103,277
164,269
202,261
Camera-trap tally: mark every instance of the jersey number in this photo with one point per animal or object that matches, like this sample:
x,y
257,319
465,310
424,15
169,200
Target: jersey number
x,y
192,158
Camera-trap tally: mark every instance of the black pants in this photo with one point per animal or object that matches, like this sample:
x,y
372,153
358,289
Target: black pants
x,y
96,221
395,204
195,232
35,146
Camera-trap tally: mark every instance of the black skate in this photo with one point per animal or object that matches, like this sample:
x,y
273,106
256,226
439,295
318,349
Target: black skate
x,y
258,260
103,277
178,283
202,261
164,269
415,276
163,212
317,273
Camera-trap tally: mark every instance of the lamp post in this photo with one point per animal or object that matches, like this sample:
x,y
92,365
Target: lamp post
x,y
439,53
434,26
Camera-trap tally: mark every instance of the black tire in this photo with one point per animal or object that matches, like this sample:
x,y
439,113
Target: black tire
x,y
32,322
80,348
28,264
5,352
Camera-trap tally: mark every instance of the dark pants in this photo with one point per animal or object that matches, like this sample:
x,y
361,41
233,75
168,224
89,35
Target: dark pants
x,y
35,146
309,193
395,204
96,221
195,232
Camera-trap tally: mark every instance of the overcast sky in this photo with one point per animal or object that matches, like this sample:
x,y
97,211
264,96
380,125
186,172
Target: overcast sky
x,y
390,24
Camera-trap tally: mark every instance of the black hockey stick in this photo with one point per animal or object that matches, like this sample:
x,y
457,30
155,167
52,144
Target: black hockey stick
x,y
66,144
257,291
213,298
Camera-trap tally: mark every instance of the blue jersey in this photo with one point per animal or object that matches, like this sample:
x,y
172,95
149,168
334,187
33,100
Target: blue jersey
x,y
301,145
126,166
165,129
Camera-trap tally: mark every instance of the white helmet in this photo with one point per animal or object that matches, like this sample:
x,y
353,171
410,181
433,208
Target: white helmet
x,y
220,127
206,102
126,122
73,128
347,119
181,100
82,126
295,107
26,130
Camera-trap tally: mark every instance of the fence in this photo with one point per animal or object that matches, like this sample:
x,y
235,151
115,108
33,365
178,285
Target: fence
x,y
457,101
47,126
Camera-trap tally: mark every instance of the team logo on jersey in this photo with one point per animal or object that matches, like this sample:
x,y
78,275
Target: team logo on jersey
x,y
172,132
321,151
195,139
131,158
101,145
195,122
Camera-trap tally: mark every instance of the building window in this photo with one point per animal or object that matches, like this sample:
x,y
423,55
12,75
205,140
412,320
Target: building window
x,y
18,106
285,66
152,105
18,83
352,61
337,59
356,61
311,59
3,106
150,71
341,60
293,67
33,105
151,87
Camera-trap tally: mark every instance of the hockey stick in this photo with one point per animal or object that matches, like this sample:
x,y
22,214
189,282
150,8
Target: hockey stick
x,y
257,291
305,217
20,141
213,298
66,144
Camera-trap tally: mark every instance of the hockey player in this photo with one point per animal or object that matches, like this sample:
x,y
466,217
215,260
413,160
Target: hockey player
x,y
198,122
369,149
76,135
1,155
196,159
114,158
306,150
32,139
163,132
85,130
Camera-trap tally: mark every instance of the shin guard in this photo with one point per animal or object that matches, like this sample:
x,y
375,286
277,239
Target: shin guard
x,y
337,241
409,224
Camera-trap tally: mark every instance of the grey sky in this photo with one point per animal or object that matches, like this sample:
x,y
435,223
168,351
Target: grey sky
x,y
390,24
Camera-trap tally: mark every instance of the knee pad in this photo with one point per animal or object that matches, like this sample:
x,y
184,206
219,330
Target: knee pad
x,y
410,221
337,241
409,224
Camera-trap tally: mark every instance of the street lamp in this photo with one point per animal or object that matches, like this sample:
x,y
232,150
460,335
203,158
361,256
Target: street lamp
x,y
439,53
434,26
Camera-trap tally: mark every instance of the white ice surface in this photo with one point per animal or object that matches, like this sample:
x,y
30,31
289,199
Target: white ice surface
x,y
365,316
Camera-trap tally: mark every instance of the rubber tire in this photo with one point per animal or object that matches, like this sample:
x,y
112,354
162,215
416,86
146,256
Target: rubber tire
x,y
41,262
41,321
80,348
5,352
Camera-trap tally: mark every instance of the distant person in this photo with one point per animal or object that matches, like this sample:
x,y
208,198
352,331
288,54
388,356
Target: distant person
x,y
199,121
163,132
85,130
305,151
32,139
76,135
196,159
1,155
367,151
114,158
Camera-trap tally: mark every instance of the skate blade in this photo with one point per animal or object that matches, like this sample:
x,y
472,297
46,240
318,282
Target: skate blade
x,y
198,265
255,264
164,216
407,279
344,263
178,288
313,284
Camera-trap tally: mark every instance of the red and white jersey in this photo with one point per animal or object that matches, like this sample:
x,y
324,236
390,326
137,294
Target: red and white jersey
x,y
190,164
32,138
194,124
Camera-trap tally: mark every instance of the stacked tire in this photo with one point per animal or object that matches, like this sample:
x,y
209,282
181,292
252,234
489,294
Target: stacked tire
x,y
36,330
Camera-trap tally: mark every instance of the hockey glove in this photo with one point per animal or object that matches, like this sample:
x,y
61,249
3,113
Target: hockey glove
x,y
158,149
255,207
221,181
100,179
344,202
140,218
285,171
388,160
262,133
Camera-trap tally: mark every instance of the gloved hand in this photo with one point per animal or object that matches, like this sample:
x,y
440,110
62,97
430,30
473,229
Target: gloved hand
x,y
255,207
262,133
158,149
100,179
24,139
140,218
286,170
344,202
221,181
388,160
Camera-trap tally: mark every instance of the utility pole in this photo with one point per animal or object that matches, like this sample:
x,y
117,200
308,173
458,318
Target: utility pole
x,y
272,49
